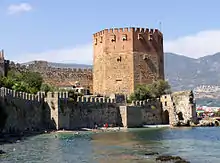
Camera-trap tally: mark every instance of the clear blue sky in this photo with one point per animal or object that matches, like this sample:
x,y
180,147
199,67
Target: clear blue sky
x,y
56,24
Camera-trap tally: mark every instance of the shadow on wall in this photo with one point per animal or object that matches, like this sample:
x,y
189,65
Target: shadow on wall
x,y
21,117
165,116
180,116
3,116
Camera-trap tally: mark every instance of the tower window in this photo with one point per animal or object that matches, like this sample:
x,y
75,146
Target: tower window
x,y
140,37
124,37
96,41
113,38
150,36
165,103
119,59
101,38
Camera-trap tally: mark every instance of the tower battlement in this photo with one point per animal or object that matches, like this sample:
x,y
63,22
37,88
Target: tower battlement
x,y
2,55
130,29
126,57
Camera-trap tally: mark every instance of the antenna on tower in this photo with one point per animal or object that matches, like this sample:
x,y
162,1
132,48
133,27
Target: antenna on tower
x,y
160,26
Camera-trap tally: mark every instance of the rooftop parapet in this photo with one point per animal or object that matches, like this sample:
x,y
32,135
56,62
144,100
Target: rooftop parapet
x,y
97,100
145,102
126,29
5,92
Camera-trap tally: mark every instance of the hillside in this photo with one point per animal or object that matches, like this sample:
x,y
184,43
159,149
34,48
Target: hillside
x,y
187,73
63,65
182,72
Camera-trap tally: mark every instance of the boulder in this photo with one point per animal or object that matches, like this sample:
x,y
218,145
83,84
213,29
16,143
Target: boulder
x,y
175,159
2,152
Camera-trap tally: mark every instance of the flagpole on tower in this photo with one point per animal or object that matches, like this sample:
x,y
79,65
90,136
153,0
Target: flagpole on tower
x,y
160,26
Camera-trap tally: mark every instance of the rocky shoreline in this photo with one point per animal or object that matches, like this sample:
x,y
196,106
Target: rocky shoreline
x,y
166,158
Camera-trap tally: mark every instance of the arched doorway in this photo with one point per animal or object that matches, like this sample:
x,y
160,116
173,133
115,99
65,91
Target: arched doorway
x,y
180,116
166,117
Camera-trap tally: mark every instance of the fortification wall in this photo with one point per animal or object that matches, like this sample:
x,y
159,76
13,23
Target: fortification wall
x,y
59,111
181,107
58,76
140,113
25,112
85,112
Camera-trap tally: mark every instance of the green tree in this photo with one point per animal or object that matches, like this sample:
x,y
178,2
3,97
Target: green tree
x,y
159,88
47,88
141,92
29,82
150,91
20,86
34,80
7,82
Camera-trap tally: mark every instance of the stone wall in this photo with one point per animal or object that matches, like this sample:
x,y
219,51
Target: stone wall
x,y
58,76
180,106
83,113
140,113
25,112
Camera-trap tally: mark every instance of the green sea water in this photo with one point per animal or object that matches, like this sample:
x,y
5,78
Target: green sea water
x,y
197,145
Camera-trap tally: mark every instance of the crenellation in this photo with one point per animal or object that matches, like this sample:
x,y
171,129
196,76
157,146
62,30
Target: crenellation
x,y
137,103
112,100
24,95
88,99
92,99
137,30
115,30
13,93
84,99
96,99
29,97
105,100
132,29
60,95
108,100
100,99
79,99
141,103
21,95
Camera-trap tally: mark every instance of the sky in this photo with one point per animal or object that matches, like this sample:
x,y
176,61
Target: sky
x,y
61,31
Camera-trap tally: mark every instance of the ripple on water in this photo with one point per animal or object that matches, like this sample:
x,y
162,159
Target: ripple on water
x,y
198,145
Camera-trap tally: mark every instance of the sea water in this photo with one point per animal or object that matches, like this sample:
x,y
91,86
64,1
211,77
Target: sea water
x,y
197,145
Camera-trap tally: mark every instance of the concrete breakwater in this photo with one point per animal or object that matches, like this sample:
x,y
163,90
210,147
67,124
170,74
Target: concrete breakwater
x,y
27,112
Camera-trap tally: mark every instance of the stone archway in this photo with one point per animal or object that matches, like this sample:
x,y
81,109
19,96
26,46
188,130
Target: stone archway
x,y
166,117
180,116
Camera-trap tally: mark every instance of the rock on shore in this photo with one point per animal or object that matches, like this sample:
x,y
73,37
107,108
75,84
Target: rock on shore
x,y
2,152
175,159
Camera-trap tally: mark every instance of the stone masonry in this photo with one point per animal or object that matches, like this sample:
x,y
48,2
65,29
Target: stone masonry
x,y
126,57
58,76
181,108
27,112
